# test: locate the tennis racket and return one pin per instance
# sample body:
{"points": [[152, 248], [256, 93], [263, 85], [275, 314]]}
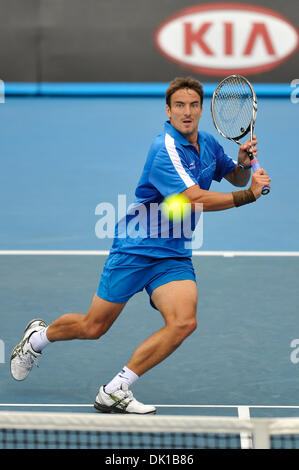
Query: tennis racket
{"points": [[234, 109]]}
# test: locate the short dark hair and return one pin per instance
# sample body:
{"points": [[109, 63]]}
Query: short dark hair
{"points": [[184, 82]]}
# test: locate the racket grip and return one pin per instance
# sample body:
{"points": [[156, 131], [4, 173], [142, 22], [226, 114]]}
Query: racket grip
{"points": [[256, 166]]}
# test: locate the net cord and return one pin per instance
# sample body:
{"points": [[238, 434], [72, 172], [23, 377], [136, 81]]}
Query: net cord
{"points": [[260, 428], [124, 423]]}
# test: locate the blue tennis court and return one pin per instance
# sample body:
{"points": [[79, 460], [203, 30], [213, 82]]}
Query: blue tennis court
{"points": [[60, 158]]}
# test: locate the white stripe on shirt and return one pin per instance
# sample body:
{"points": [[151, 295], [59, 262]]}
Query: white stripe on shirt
{"points": [[176, 161]]}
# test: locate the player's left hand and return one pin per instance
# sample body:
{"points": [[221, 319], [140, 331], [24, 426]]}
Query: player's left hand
{"points": [[248, 146]]}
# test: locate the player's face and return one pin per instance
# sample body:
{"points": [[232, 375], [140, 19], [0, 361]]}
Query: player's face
{"points": [[185, 111]]}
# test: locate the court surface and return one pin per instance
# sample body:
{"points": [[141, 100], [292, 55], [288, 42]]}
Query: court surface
{"points": [[60, 158]]}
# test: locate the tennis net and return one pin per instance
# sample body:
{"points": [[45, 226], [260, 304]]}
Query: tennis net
{"points": [[26, 430]]}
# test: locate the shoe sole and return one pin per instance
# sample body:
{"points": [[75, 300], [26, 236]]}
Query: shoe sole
{"points": [[26, 328], [113, 409]]}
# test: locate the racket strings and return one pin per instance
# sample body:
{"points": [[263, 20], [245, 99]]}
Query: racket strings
{"points": [[233, 106]]}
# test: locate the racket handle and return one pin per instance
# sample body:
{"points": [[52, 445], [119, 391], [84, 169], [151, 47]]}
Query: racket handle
{"points": [[256, 166]]}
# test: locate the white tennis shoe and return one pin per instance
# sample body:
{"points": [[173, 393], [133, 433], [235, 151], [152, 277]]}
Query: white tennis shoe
{"points": [[23, 357], [121, 401]]}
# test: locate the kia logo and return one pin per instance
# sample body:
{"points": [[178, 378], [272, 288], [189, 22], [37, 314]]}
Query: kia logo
{"points": [[221, 38]]}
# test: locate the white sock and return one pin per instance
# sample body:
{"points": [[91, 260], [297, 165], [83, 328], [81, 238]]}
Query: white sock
{"points": [[124, 376], [39, 340]]}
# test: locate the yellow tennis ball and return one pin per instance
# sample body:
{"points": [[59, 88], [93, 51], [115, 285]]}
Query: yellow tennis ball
{"points": [[176, 207]]}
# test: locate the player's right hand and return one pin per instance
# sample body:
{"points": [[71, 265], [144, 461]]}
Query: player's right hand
{"points": [[260, 179]]}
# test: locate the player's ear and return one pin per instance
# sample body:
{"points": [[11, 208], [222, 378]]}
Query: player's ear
{"points": [[168, 111]]}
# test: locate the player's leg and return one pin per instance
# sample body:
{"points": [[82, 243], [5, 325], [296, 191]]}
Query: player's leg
{"points": [[177, 302], [172, 288], [92, 325], [37, 335]]}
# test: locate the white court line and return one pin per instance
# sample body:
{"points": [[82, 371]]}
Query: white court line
{"points": [[54, 252], [43, 405], [226, 254], [231, 254], [46, 405]]}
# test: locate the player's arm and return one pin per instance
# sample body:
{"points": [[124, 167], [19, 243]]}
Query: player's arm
{"points": [[240, 176], [214, 201]]}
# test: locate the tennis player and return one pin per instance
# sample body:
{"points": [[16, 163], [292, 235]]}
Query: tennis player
{"points": [[180, 160]]}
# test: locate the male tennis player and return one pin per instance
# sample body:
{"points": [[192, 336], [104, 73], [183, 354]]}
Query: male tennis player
{"points": [[180, 160]]}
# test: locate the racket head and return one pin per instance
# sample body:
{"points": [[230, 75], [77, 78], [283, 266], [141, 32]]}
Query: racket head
{"points": [[234, 107]]}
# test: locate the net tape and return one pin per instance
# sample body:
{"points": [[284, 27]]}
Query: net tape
{"points": [[81, 430], [86, 431], [124, 423]]}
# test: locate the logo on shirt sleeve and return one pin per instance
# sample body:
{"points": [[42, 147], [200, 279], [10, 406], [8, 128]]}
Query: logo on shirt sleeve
{"points": [[191, 166]]}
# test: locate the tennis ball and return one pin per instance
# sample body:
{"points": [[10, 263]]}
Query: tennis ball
{"points": [[176, 207]]}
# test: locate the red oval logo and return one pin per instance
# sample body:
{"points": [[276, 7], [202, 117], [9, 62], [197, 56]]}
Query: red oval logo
{"points": [[220, 38]]}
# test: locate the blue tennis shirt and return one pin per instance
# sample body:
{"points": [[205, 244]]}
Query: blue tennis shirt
{"points": [[172, 166]]}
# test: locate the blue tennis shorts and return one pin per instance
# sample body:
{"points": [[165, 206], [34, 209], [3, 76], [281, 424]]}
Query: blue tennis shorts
{"points": [[126, 274]]}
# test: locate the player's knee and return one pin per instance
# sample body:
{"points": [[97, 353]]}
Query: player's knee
{"points": [[184, 328], [189, 326], [93, 331]]}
